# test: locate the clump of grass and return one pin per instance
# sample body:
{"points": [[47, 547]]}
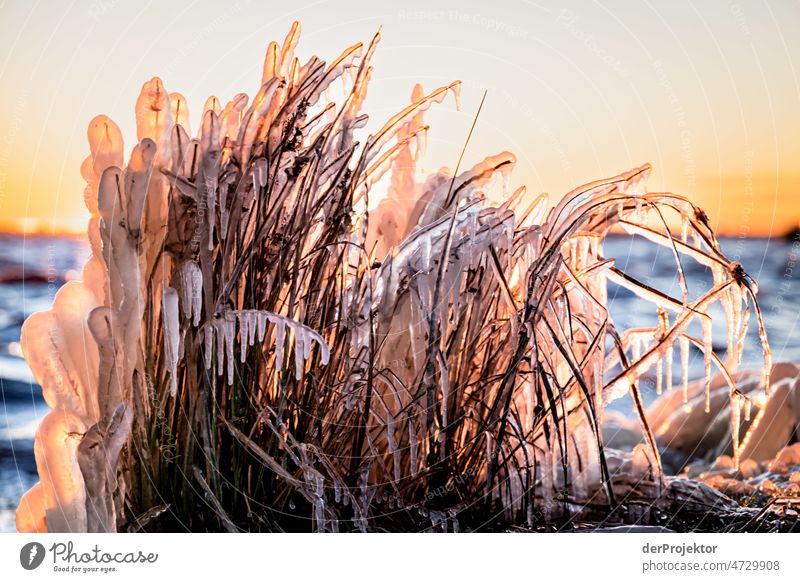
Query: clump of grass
{"points": [[283, 354]]}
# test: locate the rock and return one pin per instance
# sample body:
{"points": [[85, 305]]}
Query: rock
{"points": [[768, 487], [792, 489], [722, 462], [640, 461], [728, 485], [778, 466], [687, 429], [750, 468], [790, 455], [776, 421], [620, 432]]}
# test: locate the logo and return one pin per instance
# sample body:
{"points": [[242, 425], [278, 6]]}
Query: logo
{"points": [[31, 555]]}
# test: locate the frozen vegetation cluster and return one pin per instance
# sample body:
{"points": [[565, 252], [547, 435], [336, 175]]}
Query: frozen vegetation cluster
{"points": [[261, 342]]}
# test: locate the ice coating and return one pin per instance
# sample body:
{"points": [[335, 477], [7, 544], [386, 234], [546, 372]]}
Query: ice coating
{"points": [[61, 352], [30, 516], [250, 285], [179, 111], [55, 446], [251, 324], [154, 113]]}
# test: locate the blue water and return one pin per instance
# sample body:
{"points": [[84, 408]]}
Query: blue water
{"points": [[33, 268]]}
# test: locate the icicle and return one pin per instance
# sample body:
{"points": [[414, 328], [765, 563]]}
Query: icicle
{"points": [[191, 283], [669, 358], [219, 331], [307, 345], [319, 504], [708, 350], [208, 339], [229, 329], [300, 341], [765, 373], [727, 305], [684, 343], [659, 376], [262, 326], [661, 332], [244, 334], [280, 330], [456, 89], [736, 411], [637, 213], [172, 338], [251, 338]]}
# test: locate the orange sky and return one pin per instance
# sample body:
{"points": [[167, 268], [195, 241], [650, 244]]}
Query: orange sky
{"points": [[707, 92]]}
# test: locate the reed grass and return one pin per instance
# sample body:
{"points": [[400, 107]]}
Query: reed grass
{"points": [[310, 360]]}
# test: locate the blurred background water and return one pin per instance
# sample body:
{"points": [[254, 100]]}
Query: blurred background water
{"points": [[32, 268]]}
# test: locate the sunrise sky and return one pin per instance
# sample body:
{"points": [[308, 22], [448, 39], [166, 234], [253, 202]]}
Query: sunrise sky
{"points": [[708, 92]]}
